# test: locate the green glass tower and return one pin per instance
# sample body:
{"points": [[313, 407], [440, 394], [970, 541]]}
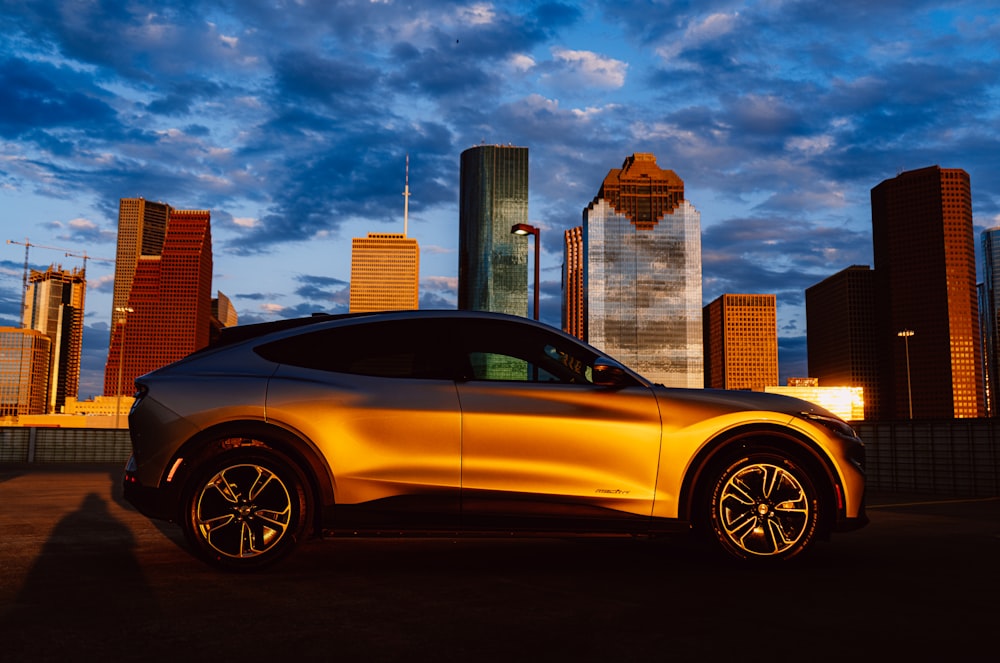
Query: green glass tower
{"points": [[492, 262]]}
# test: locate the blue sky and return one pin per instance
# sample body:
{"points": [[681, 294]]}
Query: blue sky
{"points": [[291, 121]]}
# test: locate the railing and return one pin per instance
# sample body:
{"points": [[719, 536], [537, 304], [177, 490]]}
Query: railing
{"points": [[959, 457], [63, 445], [955, 457]]}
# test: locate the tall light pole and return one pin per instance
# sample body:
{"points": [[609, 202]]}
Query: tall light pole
{"points": [[122, 320], [906, 334], [525, 229]]}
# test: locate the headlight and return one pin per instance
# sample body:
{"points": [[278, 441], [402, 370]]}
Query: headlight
{"points": [[835, 424]]}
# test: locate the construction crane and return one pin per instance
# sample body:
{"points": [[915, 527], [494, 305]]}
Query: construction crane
{"points": [[68, 252]]}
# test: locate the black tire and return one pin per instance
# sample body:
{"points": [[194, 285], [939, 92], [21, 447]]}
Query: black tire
{"points": [[764, 507], [245, 510]]}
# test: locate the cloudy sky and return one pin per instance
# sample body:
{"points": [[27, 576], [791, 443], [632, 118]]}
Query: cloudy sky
{"points": [[291, 121]]}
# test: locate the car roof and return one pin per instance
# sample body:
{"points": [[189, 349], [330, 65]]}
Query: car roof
{"points": [[240, 333]]}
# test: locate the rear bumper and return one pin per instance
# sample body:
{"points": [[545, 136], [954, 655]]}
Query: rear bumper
{"points": [[150, 501]]}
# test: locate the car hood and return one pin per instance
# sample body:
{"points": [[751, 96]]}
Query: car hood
{"points": [[721, 401]]}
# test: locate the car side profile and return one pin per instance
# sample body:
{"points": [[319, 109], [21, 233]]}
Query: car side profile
{"points": [[470, 422]]}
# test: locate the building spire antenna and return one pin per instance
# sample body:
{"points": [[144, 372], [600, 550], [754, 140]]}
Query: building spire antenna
{"points": [[406, 198]]}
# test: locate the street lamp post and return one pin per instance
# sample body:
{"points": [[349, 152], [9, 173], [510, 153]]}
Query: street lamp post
{"points": [[525, 229], [123, 312], [906, 334]]}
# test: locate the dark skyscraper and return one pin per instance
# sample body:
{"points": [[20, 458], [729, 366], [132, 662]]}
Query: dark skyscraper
{"points": [[168, 312], [492, 262], [926, 308], [840, 324]]}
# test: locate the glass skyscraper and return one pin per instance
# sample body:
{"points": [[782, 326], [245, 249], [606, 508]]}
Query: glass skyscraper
{"points": [[492, 262], [24, 371], [642, 280], [990, 314]]}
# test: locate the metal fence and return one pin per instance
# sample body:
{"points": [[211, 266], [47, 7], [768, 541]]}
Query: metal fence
{"points": [[63, 445], [955, 457], [959, 457]]}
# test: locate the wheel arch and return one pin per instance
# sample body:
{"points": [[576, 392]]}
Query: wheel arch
{"points": [[796, 446], [223, 437]]}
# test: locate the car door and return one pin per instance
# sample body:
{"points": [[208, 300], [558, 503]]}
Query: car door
{"points": [[542, 445], [378, 400]]}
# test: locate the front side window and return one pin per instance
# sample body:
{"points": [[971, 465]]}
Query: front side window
{"points": [[509, 351]]}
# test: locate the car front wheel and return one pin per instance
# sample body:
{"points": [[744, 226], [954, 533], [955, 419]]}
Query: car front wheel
{"points": [[763, 507], [246, 510]]}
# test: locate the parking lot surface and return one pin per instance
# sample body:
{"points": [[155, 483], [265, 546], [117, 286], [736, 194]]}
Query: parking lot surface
{"points": [[84, 576]]}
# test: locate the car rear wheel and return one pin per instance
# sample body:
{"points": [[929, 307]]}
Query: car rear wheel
{"points": [[763, 507], [246, 510]]}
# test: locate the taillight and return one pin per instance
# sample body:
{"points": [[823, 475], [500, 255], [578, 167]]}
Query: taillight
{"points": [[140, 392]]}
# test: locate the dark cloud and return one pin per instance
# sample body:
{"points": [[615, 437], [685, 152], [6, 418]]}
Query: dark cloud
{"points": [[338, 85], [776, 256], [442, 73], [180, 98], [38, 98]]}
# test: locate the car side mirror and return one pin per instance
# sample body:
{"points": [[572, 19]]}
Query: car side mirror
{"points": [[610, 374]]}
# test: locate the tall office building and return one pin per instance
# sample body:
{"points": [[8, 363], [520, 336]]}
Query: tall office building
{"points": [[989, 313], [168, 311], [642, 279], [573, 316], [224, 311], [840, 333], [223, 315], [385, 273], [927, 313], [493, 262], [741, 342], [24, 371], [54, 306], [142, 226]]}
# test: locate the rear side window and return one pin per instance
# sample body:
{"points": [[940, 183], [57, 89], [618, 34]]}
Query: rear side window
{"points": [[391, 349]]}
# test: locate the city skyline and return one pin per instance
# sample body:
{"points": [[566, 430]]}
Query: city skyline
{"points": [[779, 120]]}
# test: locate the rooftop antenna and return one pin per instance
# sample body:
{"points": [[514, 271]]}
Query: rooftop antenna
{"points": [[406, 197]]}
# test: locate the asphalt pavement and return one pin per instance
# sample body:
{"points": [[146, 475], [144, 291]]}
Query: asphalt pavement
{"points": [[83, 576]]}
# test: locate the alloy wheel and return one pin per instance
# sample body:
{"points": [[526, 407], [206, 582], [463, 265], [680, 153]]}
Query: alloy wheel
{"points": [[243, 511], [763, 509]]}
